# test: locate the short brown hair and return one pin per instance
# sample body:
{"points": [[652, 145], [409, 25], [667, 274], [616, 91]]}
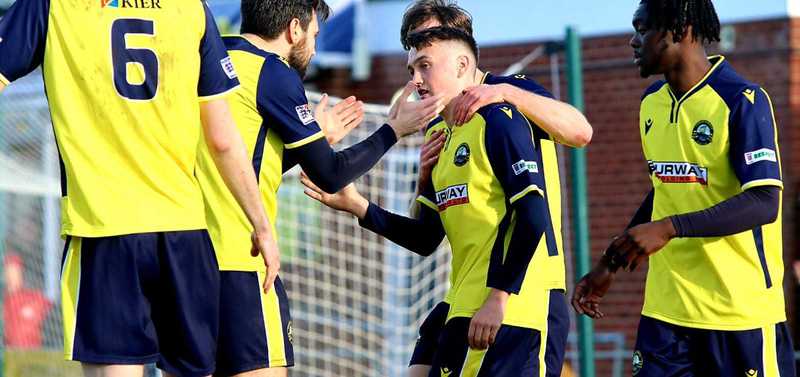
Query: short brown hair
{"points": [[424, 38], [447, 12], [269, 18]]}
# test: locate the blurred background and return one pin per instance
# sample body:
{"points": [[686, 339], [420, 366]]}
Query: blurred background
{"points": [[356, 299]]}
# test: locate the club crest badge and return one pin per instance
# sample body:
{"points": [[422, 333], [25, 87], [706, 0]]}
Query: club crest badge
{"points": [[637, 361], [462, 155], [703, 133]]}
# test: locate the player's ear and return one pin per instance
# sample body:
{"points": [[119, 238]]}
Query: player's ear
{"points": [[463, 65], [295, 31]]}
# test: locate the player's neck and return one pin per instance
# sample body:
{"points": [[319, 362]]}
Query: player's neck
{"points": [[448, 113], [691, 69], [275, 46], [479, 76]]}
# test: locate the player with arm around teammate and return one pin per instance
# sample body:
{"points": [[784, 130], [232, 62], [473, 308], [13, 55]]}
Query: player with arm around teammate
{"points": [[563, 123], [490, 190]]}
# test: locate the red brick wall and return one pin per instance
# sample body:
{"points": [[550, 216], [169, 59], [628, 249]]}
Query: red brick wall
{"points": [[764, 53]]}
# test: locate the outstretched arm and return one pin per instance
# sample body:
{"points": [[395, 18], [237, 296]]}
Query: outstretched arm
{"points": [[563, 122], [421, 236]]}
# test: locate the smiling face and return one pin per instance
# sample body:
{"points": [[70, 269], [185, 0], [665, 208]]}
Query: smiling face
{"points": [[654, 52], [440, 68]]}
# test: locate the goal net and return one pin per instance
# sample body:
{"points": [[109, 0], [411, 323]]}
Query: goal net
{"points": [[356, 299]]}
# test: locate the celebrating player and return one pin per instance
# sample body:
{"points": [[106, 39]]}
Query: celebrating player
{"points": [[139, 282], [487, 195], [562, 122], [273, 116], [711, 226]]}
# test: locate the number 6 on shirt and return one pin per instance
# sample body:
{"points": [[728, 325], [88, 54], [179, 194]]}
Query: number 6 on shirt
{"points": [[122, 56]]}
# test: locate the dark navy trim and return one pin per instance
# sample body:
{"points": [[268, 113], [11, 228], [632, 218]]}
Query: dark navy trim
{"points": [[66, 250], [672, 114], [286, 320], [759, 240], [549, 232], [258, 151], [654, 87], [716, 67], [498, 249]]}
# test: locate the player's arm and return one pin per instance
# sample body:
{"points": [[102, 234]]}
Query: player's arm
{"points": [[517, 166], [421, 236], [283, 99], [336, 122], [226, 146], [23, 31], [230, 156], [563, 122]]}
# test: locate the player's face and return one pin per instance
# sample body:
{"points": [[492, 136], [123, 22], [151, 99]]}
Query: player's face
{"points": [[302, 51], [652, 49], [435, 71]]}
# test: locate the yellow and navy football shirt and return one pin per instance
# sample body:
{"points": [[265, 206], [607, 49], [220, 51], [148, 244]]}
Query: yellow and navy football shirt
{"points": [[552, 270], [123, 79], [715, 141], [272, 113], [485, 166]]}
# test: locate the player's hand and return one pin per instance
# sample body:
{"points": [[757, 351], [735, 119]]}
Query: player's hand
{"points": [[348, 199], [264, 244], [486, 322], [590, 290], [337, 121], [405, 117], [641, 241], [428, 157], [473, 98]]}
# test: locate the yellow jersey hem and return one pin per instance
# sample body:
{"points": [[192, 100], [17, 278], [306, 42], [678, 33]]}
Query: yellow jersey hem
{"points": [[241, 267], [4, 80], [305, 141], [111, 232], [763, 182], [526, 191], [427, 203], [551, 285], [715, 325], [218, 95], [508, 322]]}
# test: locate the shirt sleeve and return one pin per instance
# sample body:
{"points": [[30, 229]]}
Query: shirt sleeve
{"points": [[754, 150], [427, 196], [23, 32], [282, 102], [512, 153], [522, 82], [529, 85], [217, 75], [421, 236]]}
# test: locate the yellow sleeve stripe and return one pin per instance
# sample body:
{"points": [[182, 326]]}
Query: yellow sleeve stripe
{"points": [[428, 203], [4, 80], [218, 95], [526, 191], [763, 182], [305, 141]]}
